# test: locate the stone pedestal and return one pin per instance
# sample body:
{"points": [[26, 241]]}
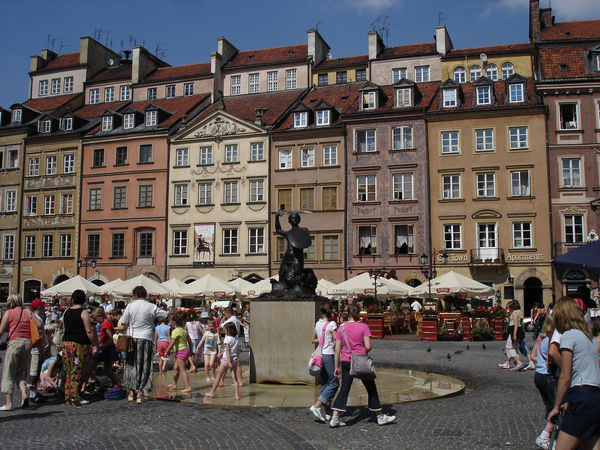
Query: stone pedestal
{"points": [[280, 341]]}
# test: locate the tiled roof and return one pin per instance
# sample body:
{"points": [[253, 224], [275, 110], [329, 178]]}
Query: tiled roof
{"points": [[276, 55], [61, 62], [172, 73], [585, 29], [49, 103], [490, 50], [404, 51], [565, 62], [113, 73], [343, 62], [94, 111]]}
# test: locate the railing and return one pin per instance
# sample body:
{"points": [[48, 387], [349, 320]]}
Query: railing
{"points": [[560, 248], [493, 256]]}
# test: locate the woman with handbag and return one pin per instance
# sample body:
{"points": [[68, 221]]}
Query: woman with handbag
{"points": [[16, 321], [351, 341]]}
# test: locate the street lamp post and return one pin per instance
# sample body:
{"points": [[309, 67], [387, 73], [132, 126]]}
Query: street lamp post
{"points": [[375, 273], [431, 272], [84, 263]]}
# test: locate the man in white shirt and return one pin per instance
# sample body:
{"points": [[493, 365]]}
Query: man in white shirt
{"points": [[229, 316], [416, 306]]}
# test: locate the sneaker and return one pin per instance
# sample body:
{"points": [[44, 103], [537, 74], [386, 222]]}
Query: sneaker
{"points": [[317, 413], [327, 417], [336, 423], [504, 365], [543, 442], [383, 419], [531, 366], [522, 367], [83, 402]]}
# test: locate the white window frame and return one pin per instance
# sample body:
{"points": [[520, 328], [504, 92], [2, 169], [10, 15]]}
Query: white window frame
{"points": [[517, 188], [180, 242], [516, 93], [402, 186], [290, 78], [522, 234], [231, 192], [450, 142], [66, 204], [256, 241], [474, 73], [66, 123], [452, 231], [68, 84], [206, 156], [484, 95], [65, 245], [43, 88], [257, 191], [402, 138], [307, 157], [16, 115], [182, 157], [51, 165], [421, 74], [8, 247], [55, 86], [372, 238], [107, 123], [95, 202], [574, 221], [572, 125], [10, 200], [451, 189], [257, 151], [486, 185], [460, 75], [29, 246], [300, 119], [484, 140], [109, 94], [403, 97], [151, 93], [94, 96], [398, 73], [230, 241], [232, 153], [12, 161], [491, 71], [366, 188], [235, 85], [285, 159], [571, 173], [44, 126], [188, 89], [170, 91], [47, 246], [33, 167], [49, 205], [181, 194], [370, 140], [330, 155], [518, 137], [449, 98], [507, 70], [323, 117], [151, 118], [369, 100], [125, 93], [272, 78], [205, 194], [31, 205], [253, 83], [128, 121]]}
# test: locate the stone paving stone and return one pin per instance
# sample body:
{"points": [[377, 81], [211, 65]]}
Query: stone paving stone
{"points": [[499, 407]]}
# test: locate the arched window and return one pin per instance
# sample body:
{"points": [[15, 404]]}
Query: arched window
{"points": [[460, 76], [491, 71], [474, 73], [507, 70]]}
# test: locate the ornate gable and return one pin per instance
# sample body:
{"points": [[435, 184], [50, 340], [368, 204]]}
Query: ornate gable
{"points": [[218, 126]]}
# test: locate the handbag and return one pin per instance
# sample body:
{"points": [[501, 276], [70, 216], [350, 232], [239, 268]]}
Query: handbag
{"points": [[125, 343], [316, 360], [361, 366], [57, 338], [4, 344], [34, 333]]}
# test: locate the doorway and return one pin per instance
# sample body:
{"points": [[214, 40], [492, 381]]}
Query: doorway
{"points": [[532, 294], [31, 290]]}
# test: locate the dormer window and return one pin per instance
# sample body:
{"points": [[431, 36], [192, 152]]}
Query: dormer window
{"points": [[369, 100], [16, 115], [323, 117], [128, 121], [598, 62], [300, 119], [403, 97], [515, 93], [484, 95], [460, 75], [151, 118], [449, 98], [44, 126], [66, 123], [107, 123]]}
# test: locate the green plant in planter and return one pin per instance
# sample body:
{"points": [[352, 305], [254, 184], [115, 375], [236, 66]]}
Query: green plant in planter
{"points": [[482, 334], [429, 313], [443, 333]]}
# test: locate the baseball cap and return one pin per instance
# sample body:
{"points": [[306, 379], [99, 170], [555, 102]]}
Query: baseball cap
{"points": [[204, 315], [38, 302]]}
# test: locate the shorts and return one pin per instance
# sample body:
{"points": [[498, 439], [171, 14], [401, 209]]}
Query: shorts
{"points": [[182, 354], [194, 344], [225, 363], [582, 419], [510, 349], [162, 346], [107, 355]]}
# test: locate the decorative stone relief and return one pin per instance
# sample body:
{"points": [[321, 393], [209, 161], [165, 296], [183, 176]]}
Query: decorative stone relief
{"points": [[218, 128]]}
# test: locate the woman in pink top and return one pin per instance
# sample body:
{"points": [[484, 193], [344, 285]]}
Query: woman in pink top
{"points": [[359, 338]]}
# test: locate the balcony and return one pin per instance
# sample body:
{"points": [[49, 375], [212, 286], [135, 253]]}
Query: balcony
{"points": [[561, 248], [489, 256]]}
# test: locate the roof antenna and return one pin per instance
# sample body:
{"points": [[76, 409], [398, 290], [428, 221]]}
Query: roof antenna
{"points": [[440, 17], [317, 25]]}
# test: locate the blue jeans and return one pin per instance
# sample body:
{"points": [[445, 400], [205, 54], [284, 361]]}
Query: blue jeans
{"points": [[329, 383]]}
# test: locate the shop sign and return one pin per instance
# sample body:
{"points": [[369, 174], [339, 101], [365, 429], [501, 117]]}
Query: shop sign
{"points": [[575, 275], [525, 257]]}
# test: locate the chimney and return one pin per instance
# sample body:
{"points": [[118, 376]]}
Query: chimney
{"points": [[535, 24], [48, 55], [376, 45], [547, 18], [443, 43], [317, 47], [225, 49]]}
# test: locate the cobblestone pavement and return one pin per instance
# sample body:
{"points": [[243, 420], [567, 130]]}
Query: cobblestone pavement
{"points": [[500, 409]]}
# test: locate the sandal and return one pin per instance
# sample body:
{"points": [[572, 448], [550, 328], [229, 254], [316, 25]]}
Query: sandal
{"points": [[4, 408], [130, 398]]}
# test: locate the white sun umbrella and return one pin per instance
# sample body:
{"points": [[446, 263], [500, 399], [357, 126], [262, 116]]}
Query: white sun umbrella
{"points": [[207, 286], [108, 287], [173, 285], [323, 286], [153, 288], [452, 283], [67, 287], [407, 290], [364, 284], [262, 287], [239, 284]]}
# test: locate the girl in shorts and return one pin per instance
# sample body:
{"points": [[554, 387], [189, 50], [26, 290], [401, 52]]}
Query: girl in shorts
{"points": [[210, 341], [107, 351], [229, 358], [180, 343], [162, 336]]}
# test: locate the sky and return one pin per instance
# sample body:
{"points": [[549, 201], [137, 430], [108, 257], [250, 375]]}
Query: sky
{"points": [[186, 31]]}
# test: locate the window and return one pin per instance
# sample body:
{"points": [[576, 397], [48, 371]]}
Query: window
{"points": [[451, 187], [231, 153], [257, 152], [366, 189], [151, 93], [107, 123], [49, 205], [95, 199], [323, 79], [330, 198], [403, 97], [188, 89], [94, 96], [568, 116], [65, 245], [571, 172], [421, 74], [307, 157], [230, 193], [181, 195], [573, 229], [43, 90], [519, 183], [484, 140], [484, 95], [403, 186], [10, 200], [16, 115], [230, 241], [284, 197], [44, 126], [236, 85], [450, 142], [452, 236], [486, 185], [253, 83], [47, 246], [341, 77], [271, 81], [93, 245], [118, 245], [449, 98], [491, 71], [8, 248], [331, 249], [402, 138], [256, 240], [307, 199], [300, 119], [206, 156], [309, 253], [51, 165], [474, 73], [367, 240], [323, 117], [180, 239], [33, 167], [109, 94], [365, 141], [404, 239], [129, 121], [290, 79], [257, 190], [369, 100], [522, 235], [518, 137], [330, 155], [29, 246], [13, 159], [182, 157], [205, 194], [460, 74], [66, 203], [120, 197], [121, 156], [515, 93], [98, 159], [55, 86], [66, 123], [170, 91], [145, 249], [151, 118], [507, 70], [125, 93], [145, 196], [361, 74], [145, 154], [398, 74], [31, 205], [68, 84], [285, 158]]}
